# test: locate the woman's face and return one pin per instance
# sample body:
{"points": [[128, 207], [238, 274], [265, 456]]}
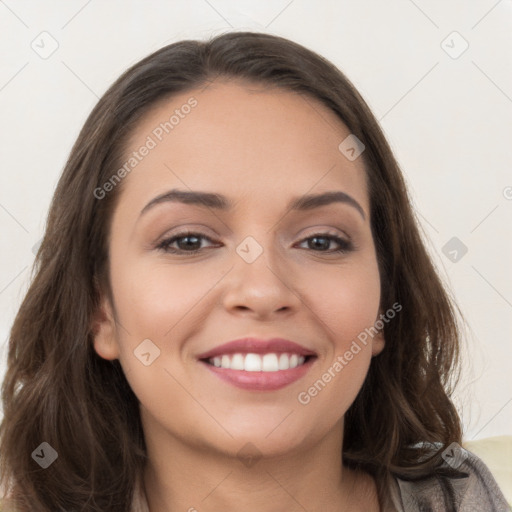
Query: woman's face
{"points": [[263, 270]]}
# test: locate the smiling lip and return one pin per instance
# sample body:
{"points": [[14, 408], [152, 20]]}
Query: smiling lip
{"points": [[259, 380]]}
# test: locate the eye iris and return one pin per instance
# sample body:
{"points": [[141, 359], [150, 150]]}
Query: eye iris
{"points": [[191, 245], [325, 245]]}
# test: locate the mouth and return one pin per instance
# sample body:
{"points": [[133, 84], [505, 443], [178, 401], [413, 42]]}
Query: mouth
{"points": [[259, 365], [259, 371]]}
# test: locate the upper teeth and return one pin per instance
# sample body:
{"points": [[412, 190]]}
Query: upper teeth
{"points": [[257, 363]]}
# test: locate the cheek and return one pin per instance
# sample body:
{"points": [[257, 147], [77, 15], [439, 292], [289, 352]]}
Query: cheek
{"points": [[166, 304], [160, 303], [346, 298], [154, 298]]}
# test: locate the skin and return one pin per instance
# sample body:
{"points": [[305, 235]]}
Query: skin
{"points": [[260, 147]]}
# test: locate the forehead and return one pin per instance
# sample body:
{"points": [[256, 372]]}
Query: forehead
{"points": [[243, 140]]}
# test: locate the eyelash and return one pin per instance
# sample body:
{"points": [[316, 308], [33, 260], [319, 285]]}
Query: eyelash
{"points": [[345, 245]]}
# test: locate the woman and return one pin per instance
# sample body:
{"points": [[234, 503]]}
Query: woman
{"points": [[232, 306]]}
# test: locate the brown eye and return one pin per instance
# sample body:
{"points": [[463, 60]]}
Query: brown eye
{"points": [[190, 242], [187, 242], [323, 240]]}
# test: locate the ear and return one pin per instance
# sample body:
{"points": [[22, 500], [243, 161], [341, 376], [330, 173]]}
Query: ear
{"points": [[378, 341], [104, 332]]}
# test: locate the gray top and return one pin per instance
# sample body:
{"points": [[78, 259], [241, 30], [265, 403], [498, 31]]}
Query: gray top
{"points": [[475, 490]]}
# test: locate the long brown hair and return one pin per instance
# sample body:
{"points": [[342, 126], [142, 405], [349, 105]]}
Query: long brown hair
{"points": [[57, 390]]}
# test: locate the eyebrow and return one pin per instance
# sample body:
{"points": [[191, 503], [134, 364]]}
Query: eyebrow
{"points": [[220, 202]]}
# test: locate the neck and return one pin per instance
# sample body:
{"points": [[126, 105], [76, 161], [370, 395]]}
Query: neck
{"points": [[181, 477]]}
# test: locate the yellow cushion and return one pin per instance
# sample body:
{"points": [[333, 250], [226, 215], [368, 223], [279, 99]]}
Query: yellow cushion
{"points": [[496, 453]]}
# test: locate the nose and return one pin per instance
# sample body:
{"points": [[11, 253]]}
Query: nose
{"points": [[261, 287]]}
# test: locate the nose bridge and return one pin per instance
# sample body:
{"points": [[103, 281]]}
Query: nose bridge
{"points": [[260, 242], [259, 257], [259, 280]]}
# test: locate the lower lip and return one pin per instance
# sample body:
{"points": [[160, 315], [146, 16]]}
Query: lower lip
{"points": [[261, 381]]}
